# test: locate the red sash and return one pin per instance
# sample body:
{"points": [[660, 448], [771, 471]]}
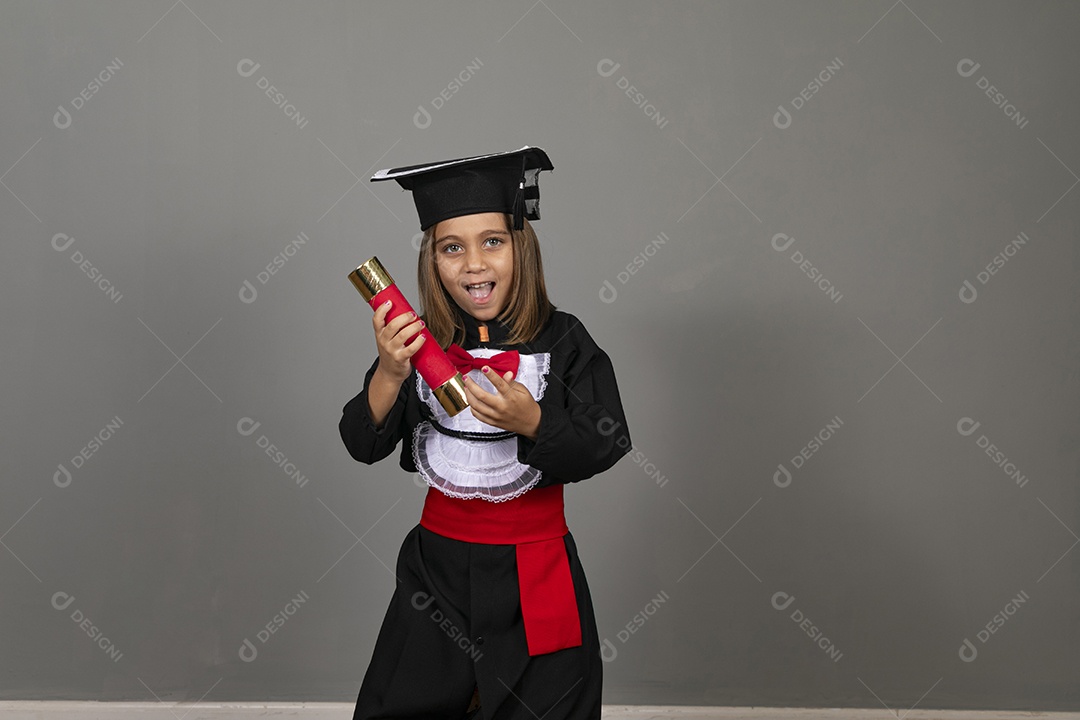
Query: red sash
{"points": [[535, 524]]}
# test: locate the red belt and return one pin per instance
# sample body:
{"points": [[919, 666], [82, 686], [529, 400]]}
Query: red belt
{"points": [[535, 524]]}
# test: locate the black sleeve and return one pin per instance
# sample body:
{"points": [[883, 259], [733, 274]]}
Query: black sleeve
{"points": [[365, 442], [582, 426]]}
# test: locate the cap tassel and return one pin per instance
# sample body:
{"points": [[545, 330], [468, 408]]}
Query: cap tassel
{"points": [[519, 208], [519, 200]]}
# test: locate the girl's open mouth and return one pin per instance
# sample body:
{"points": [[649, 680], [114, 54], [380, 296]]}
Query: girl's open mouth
{"points": [[480, 292]]}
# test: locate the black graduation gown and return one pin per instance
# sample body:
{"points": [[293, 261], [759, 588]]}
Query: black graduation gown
{"points": [[454, 622]]}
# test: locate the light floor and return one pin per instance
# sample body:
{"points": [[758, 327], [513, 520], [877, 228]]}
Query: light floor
{"points": [[66, 710]]}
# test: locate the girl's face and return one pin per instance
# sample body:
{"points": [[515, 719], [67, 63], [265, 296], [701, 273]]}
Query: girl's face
{"points": [[475, 259]]}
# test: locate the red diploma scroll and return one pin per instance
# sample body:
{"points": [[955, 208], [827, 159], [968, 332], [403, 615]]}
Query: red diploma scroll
{"points": [[448, 386]]}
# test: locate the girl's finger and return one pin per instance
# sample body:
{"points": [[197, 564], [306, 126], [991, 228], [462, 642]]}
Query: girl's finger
{"points": [[497, 380], [380, 315]]}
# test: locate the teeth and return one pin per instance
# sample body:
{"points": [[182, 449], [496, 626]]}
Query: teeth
{"points": [[480, 290]]}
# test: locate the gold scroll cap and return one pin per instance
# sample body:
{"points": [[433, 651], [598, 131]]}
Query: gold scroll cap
{"points": [[451, 395], [371, 278]]}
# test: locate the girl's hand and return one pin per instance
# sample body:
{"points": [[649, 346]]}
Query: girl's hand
{"points": [[513, 408], [394, 354]]}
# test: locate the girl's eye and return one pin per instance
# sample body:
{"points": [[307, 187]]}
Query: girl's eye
{"points": [[454, 247]]}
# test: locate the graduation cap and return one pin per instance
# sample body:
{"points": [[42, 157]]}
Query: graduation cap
{"points": [[499, 182]]}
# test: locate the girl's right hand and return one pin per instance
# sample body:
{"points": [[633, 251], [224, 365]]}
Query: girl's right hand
{"points": [[394, 354]]}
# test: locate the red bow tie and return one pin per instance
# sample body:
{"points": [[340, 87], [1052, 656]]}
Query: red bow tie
{"points": [[500, 363]]}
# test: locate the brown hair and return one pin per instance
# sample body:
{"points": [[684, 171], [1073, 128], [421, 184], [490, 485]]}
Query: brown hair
{"points": [[527, 309]]}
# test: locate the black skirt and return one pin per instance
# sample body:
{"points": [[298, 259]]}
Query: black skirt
{"points": [[454, 625]]}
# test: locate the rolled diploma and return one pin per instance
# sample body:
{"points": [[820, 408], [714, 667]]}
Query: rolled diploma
{"points": [[447, 384]]}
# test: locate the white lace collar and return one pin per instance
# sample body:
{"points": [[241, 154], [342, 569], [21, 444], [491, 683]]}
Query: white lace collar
{"points": [[486, 469]]}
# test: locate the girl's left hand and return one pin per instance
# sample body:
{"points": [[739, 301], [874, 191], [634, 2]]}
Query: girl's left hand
{"points": [[513, 408]]}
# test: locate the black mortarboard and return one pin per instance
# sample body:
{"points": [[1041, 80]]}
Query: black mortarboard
{"points": [[500, 182]]}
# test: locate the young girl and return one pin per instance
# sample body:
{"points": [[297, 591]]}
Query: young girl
{"points": [[491, 615]]}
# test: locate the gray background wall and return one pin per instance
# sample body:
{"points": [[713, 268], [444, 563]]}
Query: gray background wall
{"points": [[898, 180]]}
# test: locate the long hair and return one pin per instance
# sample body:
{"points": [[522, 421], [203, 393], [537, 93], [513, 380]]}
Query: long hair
{"points": [[527, 308]]}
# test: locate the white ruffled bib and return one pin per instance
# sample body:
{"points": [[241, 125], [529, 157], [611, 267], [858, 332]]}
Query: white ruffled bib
{"points": [[486, 469]]}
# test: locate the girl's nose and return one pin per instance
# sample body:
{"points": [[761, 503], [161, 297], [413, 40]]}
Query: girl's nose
{"points": [[474, 257]]}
